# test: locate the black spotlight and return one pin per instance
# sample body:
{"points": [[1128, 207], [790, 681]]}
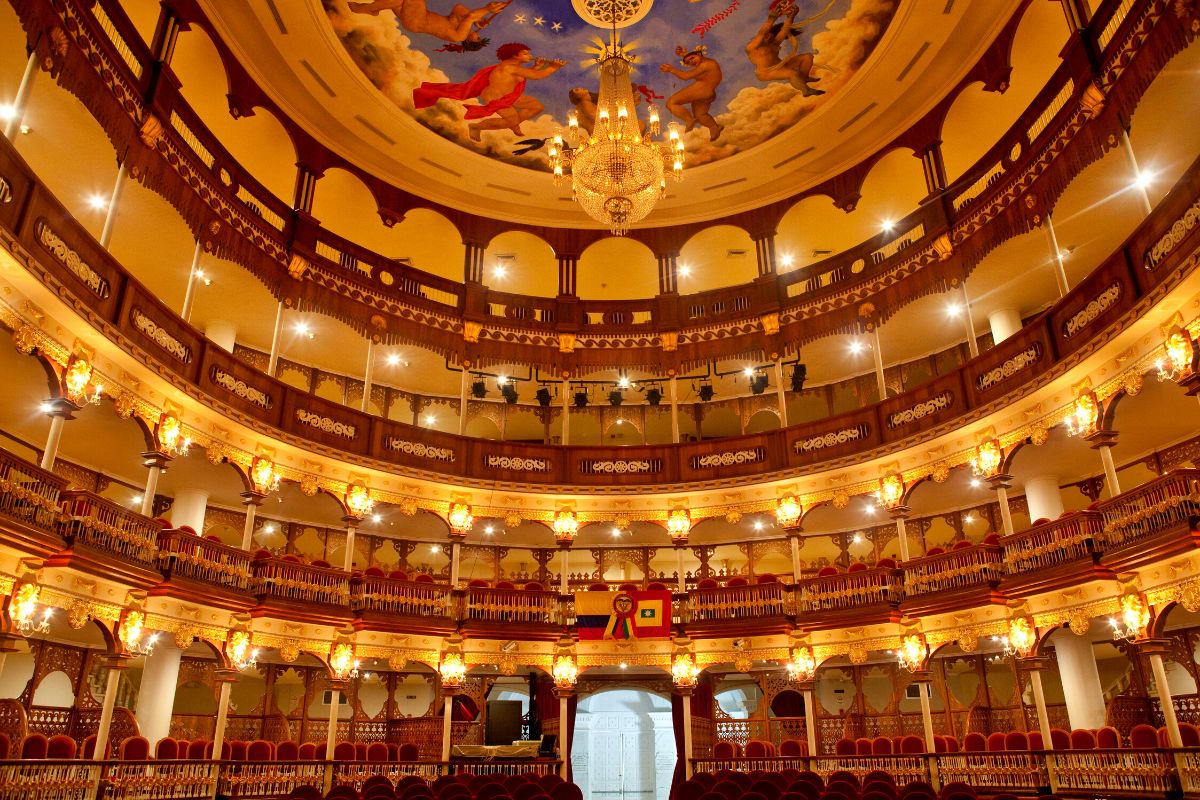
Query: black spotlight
{"points": [[509, 391], [479, 389], [543, 397], [654, 396], [615, 397], [581, 399], [758, 384], [799, 375], [707, 392]]}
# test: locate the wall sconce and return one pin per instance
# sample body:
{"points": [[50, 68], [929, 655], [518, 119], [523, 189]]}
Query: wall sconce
{"points": [[803, 665], [358, 500], [566, 525], [132, 633], [679, 525], [169, 435], [1020, 640], [1131, 624], [342, 661], [1180, 358], [239, 651], [891, 491], [684, 671], [460, 519], [24, 608], [912, 652], [453, 670], [565, 672], [263, 475], [1085, 414], [76, 379], [788, 511], [987, 459]]}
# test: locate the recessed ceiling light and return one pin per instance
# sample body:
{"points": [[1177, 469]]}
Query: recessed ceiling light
{"points": [[8, 111], [954, 309], [856, 346], [489, 529], [499, 271], [376, 518], [623, 382], [786, 260], [97, 201], [1144, 179], [393, 360], [430, 419], [758, 526], [684, 270], [887, 225]]}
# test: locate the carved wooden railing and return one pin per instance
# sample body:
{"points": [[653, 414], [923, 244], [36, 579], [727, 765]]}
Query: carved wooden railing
{"points": [[1071, 537], [851, 590], [406, 598], [28, 493], [291, 580], [1012, 772], [1159, 505], [1125, 770], [184, 554], [736, 602], [104, 525], [904, 768], [513, 605], [61, 780], [962, 568], [177, 780]]}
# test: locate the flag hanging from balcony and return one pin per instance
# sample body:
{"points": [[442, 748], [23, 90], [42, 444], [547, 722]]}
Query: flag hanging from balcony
{"points": [[623, 615]]}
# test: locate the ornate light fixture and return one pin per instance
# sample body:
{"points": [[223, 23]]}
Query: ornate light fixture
{"points": [[788, 511], [453, 670], [566, 525], [358, 500], [679, 525], [565, 672], [803, 665], [1085, 413], [132, 633], [239, 651], [1021, 639], [987, 459], [460, 519], [618, 172], [1131, 624], [170, 436], [890, 493], [23, 610], [342, 661], [1180, 355], [684, 671], [263, 475], [912, 652], [77, 378]]}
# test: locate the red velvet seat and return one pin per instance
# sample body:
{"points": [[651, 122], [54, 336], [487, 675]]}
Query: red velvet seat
{"points": [[756, 749], [951, 744], [566, 791], [320, 562], [962, 545], [33, 746], [995, 742], [934, 551], [393, 752], [939, 744], [89, 747], [360, 751], [398, 575], [373, 572], [1060, 739], [377, 751], [287, 751], [862, 746], [1108, 738], [766, 579], [725, 749], [790, 748], [974, 742], [237, 751], [600, 587], [307, 752], [886, 563], [1035, 741], [992, 539], [911, 745], [421, 577], [857, 566], [260, 750], [534, 586], [5, 747], [408, 752], [61, 746], [628, 587], [1041, 521], [135, 748], [1190, 734], [828, 571], [343, 751], [1083, 739], [881, 746], [737, 580], [1143, 736], [1016, 741], [167, 749], [844, 747], [505, 585], [657, 586]]}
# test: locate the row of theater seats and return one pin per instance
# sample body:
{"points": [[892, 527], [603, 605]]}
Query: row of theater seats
{"points": [[59, 747], [756, 748], [138, 749], [462, 786], [794, 784], [1107, 738]]}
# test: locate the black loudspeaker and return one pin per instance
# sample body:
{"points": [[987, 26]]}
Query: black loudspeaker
{"points": [[503, 721]]}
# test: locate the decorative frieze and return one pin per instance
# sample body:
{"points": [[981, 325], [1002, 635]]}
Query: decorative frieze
{"points": [[831, 439], [56, 247], [921, 410], [1002, 372], [240, 388], [648, 466], [326, 424], [1171, 239], [518, 463], [160, 336], [1086, 315], [729, 458], [419, 449]]}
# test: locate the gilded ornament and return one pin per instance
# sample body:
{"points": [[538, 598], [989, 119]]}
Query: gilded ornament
{"points": [[968, 641], [25, 339], [1133, 382], [1039, 435], [298, 266], [841, 499], [733, 517], [1189, 596], [289, 650], [125, 404], [512, 520], [408, 507], [858, 654], [78, 614], [941, 473], [184, 636], [308, 485], [398, 660], [1079, 620]]}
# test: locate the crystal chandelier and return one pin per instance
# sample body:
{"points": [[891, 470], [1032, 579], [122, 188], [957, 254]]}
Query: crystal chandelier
{"points": [[618, 172]]}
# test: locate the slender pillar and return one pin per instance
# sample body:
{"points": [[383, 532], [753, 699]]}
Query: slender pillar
{"points": [[878, 352], [225, 678], [251, 500], [114, 202], [680, 574], [1104, 441], [1034, 666], [564, 702], [336, 687], [1154, 648], [189, 508], [156, 696], [783, 415], [925, 681], [221, 333], [563, 584], [13, 126], [1004, 322], [462, 403], [674, 411], [566, 425], [900, 514], [1082, 690], [351, 529], [794, 541], [687, 732], [1139, 186], [455, 561], [189, 294], [1044, 500], [969, 321], [810, 717], [1001, 483], [116, 665], [447, 726], [1056, 258], [276, 335], [156, 465], [59, 410], [367, 374]]}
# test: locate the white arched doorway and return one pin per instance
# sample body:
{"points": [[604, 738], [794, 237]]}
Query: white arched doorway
{"points": [[624, 745]]}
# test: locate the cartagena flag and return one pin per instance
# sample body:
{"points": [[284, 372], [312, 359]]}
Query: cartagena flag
{"points": [[623, 615]]}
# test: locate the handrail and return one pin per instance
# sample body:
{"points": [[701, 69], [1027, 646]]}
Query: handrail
{"points": [[736, 602], [1068, 538], [1152, 507], [512, 605], [101, 523], [851, 589], [294, 580], [186, 554], [395, 596], [954, 569], [28, 493]]}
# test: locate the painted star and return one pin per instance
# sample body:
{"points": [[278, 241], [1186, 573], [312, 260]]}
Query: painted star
{"points": [[539, 21], [556, 27], [519, 19]]}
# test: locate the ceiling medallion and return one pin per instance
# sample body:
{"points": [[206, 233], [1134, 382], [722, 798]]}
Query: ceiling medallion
{"points": [[604, 13]]}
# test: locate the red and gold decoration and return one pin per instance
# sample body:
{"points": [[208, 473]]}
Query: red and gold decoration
{"points": [[25, 611], [460, 519], [912, 652], [132, 633], [170, 437], [77, 380], [264, 477], [1180, 355], [1084, 415], [988, 459], [685, 671], [890, 493], [802, 666], [788, 511], [566, 525], [358, 500], [679, 525], [1132, 622]]}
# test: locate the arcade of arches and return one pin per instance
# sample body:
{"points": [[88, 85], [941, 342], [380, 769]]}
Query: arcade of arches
{"points": [[326, 427]]}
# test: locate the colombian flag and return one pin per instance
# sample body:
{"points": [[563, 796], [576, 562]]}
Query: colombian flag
{"points": [[623, 615]]}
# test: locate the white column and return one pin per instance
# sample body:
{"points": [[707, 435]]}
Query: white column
{"points": [[276, 335], [1138, 185], [348, 556], [106, 710], [447, 727], [1056, 258], [221, 333], [462, 404], [674, 412], [1039, 702], [13, 126], [367, 374], [455, 563], [156, 465], [566, 422], [681, 575], [1164, 699], [563, 585], [902, 537], [156, 696], [565, 741], [189, 508], [969, 321], [795, 544], [877, 349], [783, 418], [1044, 500], [335, 694], [57, 421], [222, 717], [1004, 322], [1082, 690], [927, 714], [687, 736], [810, 720], [189, 294], [114, 202], [251, 500], [1005, 512], [1110, 471]]}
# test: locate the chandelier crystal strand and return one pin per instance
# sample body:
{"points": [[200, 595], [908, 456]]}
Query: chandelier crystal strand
{"points": [[618, 172]]}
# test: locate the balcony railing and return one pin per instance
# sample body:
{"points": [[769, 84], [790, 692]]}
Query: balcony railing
{"points": [[1069, 538], [961, 568], [846, 590], [513, 605], [29, 494], [736, 602], [106, 526], [406, 598], [190, 556], [292, 580], [1162, 504]]}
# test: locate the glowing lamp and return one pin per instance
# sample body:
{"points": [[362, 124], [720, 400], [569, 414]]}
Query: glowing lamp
{"points": [[358, 500], [566, 525], [169, 434], [891, 491], [241, 654], [1131, 624], [460, 519], [453, 670], [912, 652], [342, 661], [1179, 359], [263, 475], [679, 525], [987, 459], [788, 511], [684, 671], [1021, 638], [132, 633], [565, 672], [802, 666], [1085, 413], [23, 610], [77, 378]]}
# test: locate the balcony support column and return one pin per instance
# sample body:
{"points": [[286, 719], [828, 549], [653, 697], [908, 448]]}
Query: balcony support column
{"points": [[116, 665], [685, 697], [251, 500], [680, 574], [934, 167], [447, 725], [462, 402], [674, 411], [969, 321], [156, 464], [336, 687], [810, 717], [1138, 184], [1044, 500], [1104, 441], [366, 398], [764, 254], [276, 335], [564, 574], [351, 529], [782, 395], [189, 509], [1001, 483], [877, 351], [1154, 650], [455, 560], [1004, 322], [564, 741], [794, 542], [1082, 690], [156, 696], [225, 678], [59, 410], [925, 682], [114, 203], [13, 126], [189, 294], [1034, 666], [566, 411], [1056, 258], [900, 514], [221, 333]]}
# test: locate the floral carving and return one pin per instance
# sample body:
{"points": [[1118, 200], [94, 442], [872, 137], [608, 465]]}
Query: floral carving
{"points": [[518, 463], [728, 458], [921, 410], [1171, 239], [56, 247], [622, 466], [1084, 317], [159, 336], [832, 439], [1022, 360], [241, 388], [419, 449], [326, 424]]}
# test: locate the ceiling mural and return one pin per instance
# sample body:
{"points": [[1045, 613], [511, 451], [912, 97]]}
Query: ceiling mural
{"points": [[501, 78]]}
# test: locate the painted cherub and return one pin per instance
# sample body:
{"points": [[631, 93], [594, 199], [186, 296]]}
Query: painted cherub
{"points": [[705, 75], [461, 26], [763, 50]]}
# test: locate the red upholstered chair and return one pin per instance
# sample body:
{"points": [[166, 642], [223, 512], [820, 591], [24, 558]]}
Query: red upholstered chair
{"points": [[737, 580], [320, 562], [844, 747], [725, 749], [225, 750], [33, 746], [534, 586], [1083, 739], [505, 585], [408, 752], [61, 746], [767, 578], [1041, 521], [881, 746], [962, 545], [1060, 739], [951, 744], [343, 751], [1190, 734], [1035, 741], [1016, 741], [974, 742], [360, 751], [237, 751], [939, 744], [89, 748], [603, 587], [756, 749], [373, 572], [421, 577], [992, 539], [1143, 736], [857, 566], [862, 746], [377, 751], [393, 752], [1163, 739], [657, 586], [896, 742], [187, 529], [135, 748], [566, 791], [307, 752], [260, 750], [790, 748], [828, 571], [1108, 738], [886, 563], [628, 587], [995, 742], [5, 747], [287, 751], [550, 780], [398, 575], [911, 745], [167, 749], [934, 551]]}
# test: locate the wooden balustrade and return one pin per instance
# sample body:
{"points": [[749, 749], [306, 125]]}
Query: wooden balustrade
{"points": [[187, 555], [905, 768], [513, 605], [735, 602], [1159, 505], [168, 780], [93, 521], [1104, 771], [252, 780], [1001, 771], [28, 493], [292, 580], [955, 569], [851, 590], [406, 598], [53, 780], [1069, 538]]}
